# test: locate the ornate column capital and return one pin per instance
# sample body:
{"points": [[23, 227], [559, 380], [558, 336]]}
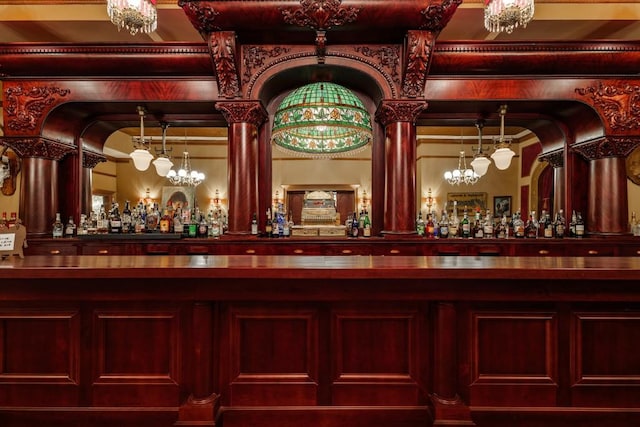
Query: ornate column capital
{"points": [[390, 111], [554, 158], [607, 146], [91, 159], [242, 112], [43, 148]]}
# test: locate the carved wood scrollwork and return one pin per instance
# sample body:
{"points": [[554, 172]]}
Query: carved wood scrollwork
{"points": [[437, 16], [242, 112], [618, 104], [25, 108], [554, 158], [388, 57], [38, 147], [418, 59], [223, 52], [90, 159], [608, 146], [202, 17], [255, 57], [391, 111]]}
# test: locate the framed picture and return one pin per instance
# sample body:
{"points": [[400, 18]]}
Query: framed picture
{"points": [[178, 197], [501, 206], [471, 201]]}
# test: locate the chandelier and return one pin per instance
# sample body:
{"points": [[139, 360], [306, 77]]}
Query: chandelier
{"points": [[480, 163], [134, 15], [506, 15], [463, 174], [140, 155], [321, 120], [185, 176], [503, 154]]}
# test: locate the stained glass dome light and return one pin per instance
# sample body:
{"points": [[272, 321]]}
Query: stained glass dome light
{"points": [[321, 120]]}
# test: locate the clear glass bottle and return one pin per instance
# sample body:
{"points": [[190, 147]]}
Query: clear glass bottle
{"points": [[354, 226], [268, 224], [488, 225], [254, 224], [444, 224], [58, 227], [454, 223], [126, 217], [478, 229], [465, 225], [70, 228], [518, 226], [560, 224], [367, 225], [572, 224], [580, 227], [633, 224], [420, 225], [429, 226]]}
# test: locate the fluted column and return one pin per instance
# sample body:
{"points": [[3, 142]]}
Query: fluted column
{"points": [[243, 119], [398, 119], [607, 211], [556, 161]]}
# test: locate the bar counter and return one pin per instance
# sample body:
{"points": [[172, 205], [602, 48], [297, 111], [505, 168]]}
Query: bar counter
{"points": [[278, 340]]}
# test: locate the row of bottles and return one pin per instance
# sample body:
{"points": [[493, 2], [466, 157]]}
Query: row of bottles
{"points": [[487, 227], [634, 225], [277, 223], [8, 222], [144, 219], [359, 224]]}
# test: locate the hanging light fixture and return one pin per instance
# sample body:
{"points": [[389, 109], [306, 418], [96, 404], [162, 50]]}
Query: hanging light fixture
{"points": [[185, 176], [506, 15], [321, 120], [163, 163], [461, 175], [480, 162], [141, 156], [134, 15], [503, 154]]}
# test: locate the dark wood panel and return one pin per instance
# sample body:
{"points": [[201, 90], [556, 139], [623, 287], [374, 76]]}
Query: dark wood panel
{"points": [[39, 357], [514, 358]]}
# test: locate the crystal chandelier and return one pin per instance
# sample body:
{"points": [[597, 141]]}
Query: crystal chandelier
{"points": [[506, 15], [134, 15], [185, 176], [463, 174]]}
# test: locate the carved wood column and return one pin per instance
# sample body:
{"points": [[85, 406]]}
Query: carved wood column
{"points": [[244, 119], [89, 161], [398, 118], [607, 199], [556, 161]]}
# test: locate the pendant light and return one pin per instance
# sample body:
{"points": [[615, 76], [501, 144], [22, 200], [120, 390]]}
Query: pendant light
{"points": [[503, 154], [140, 155], [162, 163], [480, 163]]}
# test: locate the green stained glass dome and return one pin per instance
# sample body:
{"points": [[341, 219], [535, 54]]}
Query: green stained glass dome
{"points": [[321, 120]]}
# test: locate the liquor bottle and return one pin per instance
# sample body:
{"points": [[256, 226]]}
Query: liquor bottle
{"points": [[153, 219], [477, 228], [192, 230], [126, 217], [280, 220], [361, 223], [275, 232], [420, 225], [102, 222], [83, 228], [572, 224], [285, 227], [254, 224], [115, 221], [465, 225], [203, 227], [531, 227], [268, 224], [635, 230], [488, 225], [502, 228], [559, 224], [178, 227], [70, 228], [444, 224], [454, 224], [579, 225], [58, 227], [518, 226], [216, 227], [542, 223], [354, 226], [165, 222], [430, 226], [291, 224], [436, 225], [367, 225], [4, 223]]}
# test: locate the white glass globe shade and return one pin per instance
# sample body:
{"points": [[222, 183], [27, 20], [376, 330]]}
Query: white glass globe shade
{"points": [[448, 175], [182, 173], [141, 159], [456, 173], [502, 157], [480, 165], [171, 174], [163, 165]]}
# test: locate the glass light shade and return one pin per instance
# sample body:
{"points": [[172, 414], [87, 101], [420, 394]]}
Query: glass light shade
{"points": [[182, 173], [141, 159], [321, 120], [163, 165], [448, 175], [480, 165], [502, 157]]}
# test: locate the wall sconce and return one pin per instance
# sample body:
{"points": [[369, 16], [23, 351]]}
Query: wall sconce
{"points": [[365, 200], [430, 201], [276, 199]]}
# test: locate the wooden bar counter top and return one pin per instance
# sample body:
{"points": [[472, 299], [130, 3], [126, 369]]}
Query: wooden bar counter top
{"points": [[289, 340]]}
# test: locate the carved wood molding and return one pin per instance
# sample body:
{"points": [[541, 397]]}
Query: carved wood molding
{"points": [[392, 111], [618, 104], [90, 159], [242, 112], [417, 61], [26, 107], [201, 15], [256, 57], [319, 15], [437, 16], [554, 158], [43, 148], [607, 146], [386, 57], [223, 53]]}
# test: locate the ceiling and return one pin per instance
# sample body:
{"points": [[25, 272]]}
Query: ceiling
{"points": [[63, 21]]}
